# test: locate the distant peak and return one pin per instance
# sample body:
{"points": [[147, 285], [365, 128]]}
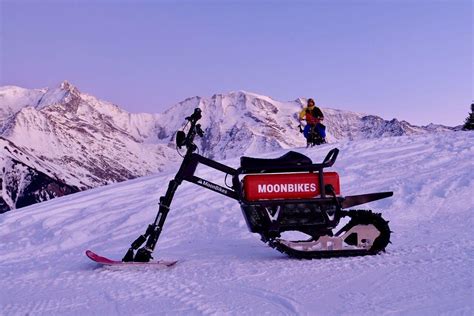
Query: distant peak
{"points": [[63, 93], [67, 86], [249, 93]]}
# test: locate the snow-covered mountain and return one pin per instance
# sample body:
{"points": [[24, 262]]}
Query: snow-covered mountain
{"points": [[248, 123], [21, 184], [76, 140], [223, 269]]}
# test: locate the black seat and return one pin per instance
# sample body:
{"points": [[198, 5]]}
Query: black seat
{"points": [[291, 158]]}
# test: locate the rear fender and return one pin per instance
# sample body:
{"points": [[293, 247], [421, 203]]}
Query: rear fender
{"points": [[353, 200]]}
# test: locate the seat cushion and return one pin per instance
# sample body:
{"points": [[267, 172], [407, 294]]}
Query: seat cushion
{"points": [[291, 158]]}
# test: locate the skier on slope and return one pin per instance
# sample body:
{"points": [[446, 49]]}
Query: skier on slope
{"points": [[314, 131]]}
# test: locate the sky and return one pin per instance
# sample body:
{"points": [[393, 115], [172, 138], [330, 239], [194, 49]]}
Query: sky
{"points": [[410, 60]]}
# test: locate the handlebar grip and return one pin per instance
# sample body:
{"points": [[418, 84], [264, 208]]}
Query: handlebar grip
{"points": [[199, 130]]}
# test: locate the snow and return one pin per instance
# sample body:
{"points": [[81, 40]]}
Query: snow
{"points": [[17, 97], [224, 269], [13, 99]]}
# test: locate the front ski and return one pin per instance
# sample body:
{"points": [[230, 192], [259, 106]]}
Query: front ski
{"points": [[109, 262]]}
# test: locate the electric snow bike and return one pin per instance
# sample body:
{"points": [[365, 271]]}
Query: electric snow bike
{"points": [[279, 196]]}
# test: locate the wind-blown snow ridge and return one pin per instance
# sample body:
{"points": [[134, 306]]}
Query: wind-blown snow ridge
{"points": [[224, 269]]}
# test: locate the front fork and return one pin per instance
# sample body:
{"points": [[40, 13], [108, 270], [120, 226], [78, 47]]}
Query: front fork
{"points": [[154, 230], [186, 172]]}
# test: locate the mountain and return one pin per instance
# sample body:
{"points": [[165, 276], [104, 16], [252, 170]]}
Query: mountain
{"points": [[25, 179], [248, 123], [75, 139], [78, 142], [223, 269]]}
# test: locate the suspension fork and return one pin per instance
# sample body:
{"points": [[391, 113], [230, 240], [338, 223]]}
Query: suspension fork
{"points": [[186, 172], [153, 230]]}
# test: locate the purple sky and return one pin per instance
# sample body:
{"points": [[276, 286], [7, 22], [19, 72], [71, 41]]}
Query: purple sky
{"points": [[406, 59]]}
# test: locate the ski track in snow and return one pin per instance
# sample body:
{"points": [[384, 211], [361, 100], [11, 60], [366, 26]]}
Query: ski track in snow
{"points": [[224, 269]]}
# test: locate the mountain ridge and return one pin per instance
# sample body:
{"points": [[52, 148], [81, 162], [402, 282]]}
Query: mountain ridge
{"points": [[84, 142]]}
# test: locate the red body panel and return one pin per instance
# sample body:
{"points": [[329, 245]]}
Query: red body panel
{"points": [[287, 186]]}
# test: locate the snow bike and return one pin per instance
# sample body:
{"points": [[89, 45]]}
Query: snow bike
{"points": [[279, 196], [314, 138]]}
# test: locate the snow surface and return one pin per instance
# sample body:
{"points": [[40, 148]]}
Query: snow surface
{"points": [[224, 269]]}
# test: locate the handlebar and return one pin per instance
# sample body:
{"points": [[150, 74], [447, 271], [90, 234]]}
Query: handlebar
{"points": [[183, 139], [196, 116]]}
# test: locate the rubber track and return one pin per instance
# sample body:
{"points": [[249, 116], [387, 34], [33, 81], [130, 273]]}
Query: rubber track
{"points": [[357, 217]]}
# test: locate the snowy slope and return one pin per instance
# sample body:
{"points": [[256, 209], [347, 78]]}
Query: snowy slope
{"points": [[22, 185], [224, 269], [13, 99]]}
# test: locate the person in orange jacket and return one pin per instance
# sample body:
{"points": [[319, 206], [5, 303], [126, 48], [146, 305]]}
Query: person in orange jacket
{"points": [[313, 117]]}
